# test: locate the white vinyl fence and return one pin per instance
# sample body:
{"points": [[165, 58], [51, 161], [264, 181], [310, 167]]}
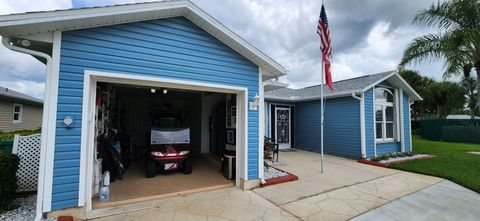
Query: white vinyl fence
{"points": [[27, 148]]}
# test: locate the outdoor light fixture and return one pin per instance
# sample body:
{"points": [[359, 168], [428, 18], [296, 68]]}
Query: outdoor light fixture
{"points": [[165, 91], [153, 90], [68, 121], [255, 103]]}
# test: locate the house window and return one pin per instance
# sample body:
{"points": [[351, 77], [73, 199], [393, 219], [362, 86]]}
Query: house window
{"points": [[17, 113], [385, 119]]}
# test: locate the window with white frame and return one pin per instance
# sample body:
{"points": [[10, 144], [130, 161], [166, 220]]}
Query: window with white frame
{"points": [[385, 119], [17, 113]]}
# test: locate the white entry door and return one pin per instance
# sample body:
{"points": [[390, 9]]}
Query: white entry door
{"points": [[282, 127]]}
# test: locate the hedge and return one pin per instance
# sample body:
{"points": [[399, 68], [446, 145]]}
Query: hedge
{"points": [[9, 135], [8, 179]]}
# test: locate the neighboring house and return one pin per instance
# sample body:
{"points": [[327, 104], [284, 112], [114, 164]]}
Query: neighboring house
{"points": [[364, 117], [19, 111], [461, 117], [167, 44]]}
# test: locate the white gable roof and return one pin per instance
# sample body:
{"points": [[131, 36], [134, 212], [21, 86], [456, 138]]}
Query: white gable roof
{"points": [[32, 23]]}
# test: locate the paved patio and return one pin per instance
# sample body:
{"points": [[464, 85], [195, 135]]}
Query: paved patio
{"points": [[345, 190]]}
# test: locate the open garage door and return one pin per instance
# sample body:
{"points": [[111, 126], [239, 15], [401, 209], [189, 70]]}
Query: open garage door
{"points": [[159, 138]]}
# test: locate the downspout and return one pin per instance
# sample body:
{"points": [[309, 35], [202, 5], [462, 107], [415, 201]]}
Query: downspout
{"points": [[40, 187], [362, 123]]}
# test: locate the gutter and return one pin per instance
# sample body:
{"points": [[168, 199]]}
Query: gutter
{"points": [[362, 122], [6, 41]]}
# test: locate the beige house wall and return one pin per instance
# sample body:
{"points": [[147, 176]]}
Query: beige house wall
{"points": [[31, 117]]}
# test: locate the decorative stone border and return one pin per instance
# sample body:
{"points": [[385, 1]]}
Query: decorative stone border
{"points": [[281, 179], [387, 164]]}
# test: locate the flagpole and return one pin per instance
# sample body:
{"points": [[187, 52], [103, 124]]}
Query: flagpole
{"points": [[321, 119]]}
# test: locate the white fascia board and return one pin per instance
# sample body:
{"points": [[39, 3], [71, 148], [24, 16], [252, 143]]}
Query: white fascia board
{"points": [[379, 81], [410, 89], [73, 14]]}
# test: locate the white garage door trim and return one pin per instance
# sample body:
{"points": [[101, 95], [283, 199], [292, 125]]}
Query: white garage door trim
{"points": [[87, 142]]}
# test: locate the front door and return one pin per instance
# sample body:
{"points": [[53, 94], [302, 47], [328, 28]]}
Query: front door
{"points": [[282, 127]]}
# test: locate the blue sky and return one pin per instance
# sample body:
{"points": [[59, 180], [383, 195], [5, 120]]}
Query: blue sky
{"points": [[368, 36]]}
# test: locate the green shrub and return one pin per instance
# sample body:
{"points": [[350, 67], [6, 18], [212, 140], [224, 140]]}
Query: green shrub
{"points": [[8, 179], [9, 135]]}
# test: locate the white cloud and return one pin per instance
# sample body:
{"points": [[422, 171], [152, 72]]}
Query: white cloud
{"points": [[32, 88]]}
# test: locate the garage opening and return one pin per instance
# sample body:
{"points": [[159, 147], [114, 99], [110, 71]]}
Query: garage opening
{"points": [[156, 142]]}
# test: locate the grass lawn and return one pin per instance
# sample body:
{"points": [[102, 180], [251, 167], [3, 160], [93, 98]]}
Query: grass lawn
{"points": [[450, 162]]}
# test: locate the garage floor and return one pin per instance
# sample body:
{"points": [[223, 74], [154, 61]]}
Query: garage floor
{"points": [[135, 187]]}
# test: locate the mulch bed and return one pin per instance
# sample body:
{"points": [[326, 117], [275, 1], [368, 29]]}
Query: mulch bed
{"points": [[365, 161]]}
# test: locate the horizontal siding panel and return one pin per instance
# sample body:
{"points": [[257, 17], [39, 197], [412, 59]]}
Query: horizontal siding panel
{"points": [[65, 180], [169, 48], [65, 196], [67, 139], [61, 204], [70, 91], [62, 188], [342, 127], [150, 54], [93, 60], [66, 155], [383, 148], [66, 163], [67, 147], [66, 171]]}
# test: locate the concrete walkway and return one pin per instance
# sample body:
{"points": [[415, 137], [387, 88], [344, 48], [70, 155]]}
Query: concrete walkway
{"points": [[442, 201], [345, 190]]}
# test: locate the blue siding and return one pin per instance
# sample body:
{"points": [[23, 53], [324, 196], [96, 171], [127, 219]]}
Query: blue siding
{"points": [[369, 123], [172, 48], [390, 147], [342, 126], [406, 122]]}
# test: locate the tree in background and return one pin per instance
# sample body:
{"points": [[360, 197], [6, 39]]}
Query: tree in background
{"points": [[439, 98], [457, 40], [419, 83], [445, 96], [469, 85]]}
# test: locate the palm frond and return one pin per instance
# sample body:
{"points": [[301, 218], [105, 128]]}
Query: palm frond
{"points": [[438, 15], [421, 49]]}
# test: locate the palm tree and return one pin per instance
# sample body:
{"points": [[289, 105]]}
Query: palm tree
{"points": [[457, 40], [469, 85]]}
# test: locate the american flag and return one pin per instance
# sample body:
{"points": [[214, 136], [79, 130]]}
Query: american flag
{"points": [[325, 45]]}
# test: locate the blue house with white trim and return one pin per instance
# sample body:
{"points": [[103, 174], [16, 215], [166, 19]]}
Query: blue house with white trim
{"points": [[111, 70], [364, 117]]}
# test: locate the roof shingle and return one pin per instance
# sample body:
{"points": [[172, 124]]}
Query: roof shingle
{"points": [[340, 88]]}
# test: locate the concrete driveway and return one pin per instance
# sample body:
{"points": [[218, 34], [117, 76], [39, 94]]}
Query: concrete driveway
{"points": [[345, 190]]}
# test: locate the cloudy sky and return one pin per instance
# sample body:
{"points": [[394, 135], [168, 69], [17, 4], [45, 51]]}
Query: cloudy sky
{"points": [[368, 36]]}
